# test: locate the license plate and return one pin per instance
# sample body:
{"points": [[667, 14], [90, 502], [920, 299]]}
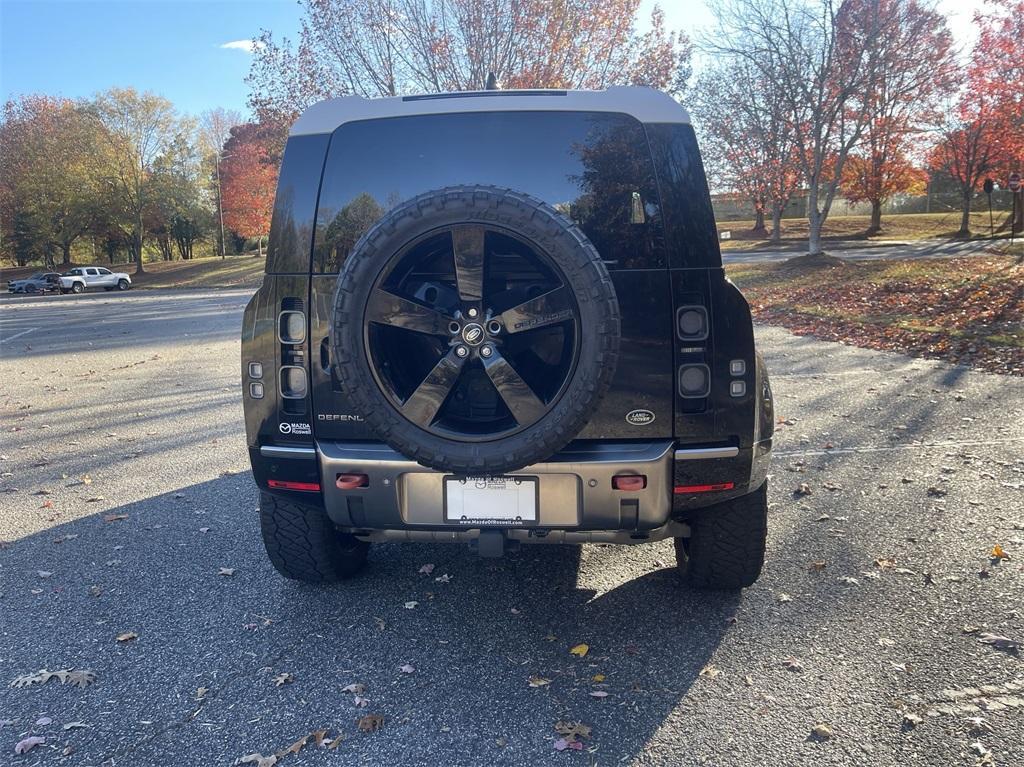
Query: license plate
{"points": [[490, 501]]}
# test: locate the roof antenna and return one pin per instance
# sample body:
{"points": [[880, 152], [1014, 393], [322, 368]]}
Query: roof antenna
{"points": [[492, 82]]}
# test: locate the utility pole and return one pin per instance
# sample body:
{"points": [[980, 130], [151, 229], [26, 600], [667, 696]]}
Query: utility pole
{"points": [[220, 207]]}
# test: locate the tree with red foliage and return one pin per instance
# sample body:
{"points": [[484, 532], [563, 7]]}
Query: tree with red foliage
{"points": [[248, 182], [997, 72], [747, 139], [985, 134], [914, 70], [392, 47], [968, 150], [876, 175]]}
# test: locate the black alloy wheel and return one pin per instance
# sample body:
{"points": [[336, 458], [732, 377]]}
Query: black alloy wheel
{"points": [[465, 357], [459, 329]]}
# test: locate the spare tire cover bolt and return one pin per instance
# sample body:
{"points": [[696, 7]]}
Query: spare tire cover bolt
{"points": [[461, 351], [472, 312], [485, 351], [494, 327]]}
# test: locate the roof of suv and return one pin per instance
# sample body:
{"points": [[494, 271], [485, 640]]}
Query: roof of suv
{"points": [[645, 104]]}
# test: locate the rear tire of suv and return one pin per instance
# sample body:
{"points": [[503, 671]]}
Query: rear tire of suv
{"points": [[727, 541], [303, 544]]}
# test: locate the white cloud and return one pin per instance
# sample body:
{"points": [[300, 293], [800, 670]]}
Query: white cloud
{"points": [[248, 46]]}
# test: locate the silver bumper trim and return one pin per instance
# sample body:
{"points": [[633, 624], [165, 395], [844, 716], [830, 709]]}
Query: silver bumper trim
{"points": [[276, 451], [704, 453]]}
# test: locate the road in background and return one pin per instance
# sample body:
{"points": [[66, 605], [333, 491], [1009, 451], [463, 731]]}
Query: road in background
{"points": [[126, 489], [873, 251]]}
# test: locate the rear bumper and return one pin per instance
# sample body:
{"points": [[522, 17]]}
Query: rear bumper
{"points": [[577, 502]]}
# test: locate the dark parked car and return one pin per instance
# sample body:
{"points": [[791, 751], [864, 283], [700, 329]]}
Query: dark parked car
{"points": [[501, 318]]}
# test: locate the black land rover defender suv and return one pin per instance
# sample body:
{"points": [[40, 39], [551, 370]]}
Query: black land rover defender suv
{"points": [[501, 317]]}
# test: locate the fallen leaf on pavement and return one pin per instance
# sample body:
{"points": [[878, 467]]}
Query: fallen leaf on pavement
{"points": [[803, 489], [539, 681], [127, 636], [356, 688], [411, 605], [74, 726], [226, 571], [298, 745], [848, 580], [598, 694], [817, 565], [370, 722], [597, 678], [44, 573], [784, 597], [793, 664], [259, 760], [998, 553], [821, 731], [26, 745], [333, 744], [114, 517], [408, 668], [43, 721], [912, 720], [445, 578], [427, 569], [319, 736], [709, 671], [81, 678], [1000, 642], [580, 650], [282, 679]]}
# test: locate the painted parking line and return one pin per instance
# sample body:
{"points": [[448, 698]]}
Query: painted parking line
{"points": [[16, 335], [891, 448]]}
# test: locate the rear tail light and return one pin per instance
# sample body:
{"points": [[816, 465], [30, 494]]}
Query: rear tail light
{"points": [[629, 482], [692, 323], [694, 381], [293, 382], [291, 327], [684, 489], [281, 484]]}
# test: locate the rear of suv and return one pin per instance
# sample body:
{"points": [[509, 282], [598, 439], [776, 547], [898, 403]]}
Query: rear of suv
{"points": [[501, 318]]}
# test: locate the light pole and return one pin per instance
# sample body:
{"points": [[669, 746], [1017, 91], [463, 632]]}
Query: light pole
{"points": [[220, 202]]}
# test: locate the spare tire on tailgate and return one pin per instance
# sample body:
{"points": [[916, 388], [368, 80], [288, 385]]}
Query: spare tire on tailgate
{"points": [[475, 329]]}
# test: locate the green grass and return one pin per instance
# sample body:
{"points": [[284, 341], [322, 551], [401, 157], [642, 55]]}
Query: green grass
{"points": [[902, 227]]}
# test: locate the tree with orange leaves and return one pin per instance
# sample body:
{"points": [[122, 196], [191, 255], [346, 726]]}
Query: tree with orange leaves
{"points": [[248, 182], [393, 47], [915, 70]]}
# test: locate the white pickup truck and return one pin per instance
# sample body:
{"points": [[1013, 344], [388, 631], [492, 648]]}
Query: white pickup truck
{"points": [[82, 277]]}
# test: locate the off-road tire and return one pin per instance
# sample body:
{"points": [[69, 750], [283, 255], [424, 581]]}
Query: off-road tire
{"points": [[727, 541], [123, 285], [551, 233], [303, 544]]}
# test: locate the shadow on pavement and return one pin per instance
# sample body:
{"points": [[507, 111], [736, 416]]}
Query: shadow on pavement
{"points": [[474, 641]]}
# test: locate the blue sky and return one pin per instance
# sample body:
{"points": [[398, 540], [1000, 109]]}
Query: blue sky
{"points": [[75, 48]]}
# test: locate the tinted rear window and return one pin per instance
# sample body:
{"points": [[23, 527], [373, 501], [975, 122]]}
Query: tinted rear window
{"points": [[291, 225], [594, 167]]}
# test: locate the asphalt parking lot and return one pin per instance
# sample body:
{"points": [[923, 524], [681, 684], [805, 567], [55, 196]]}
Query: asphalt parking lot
{"points": [[125, 491]]}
